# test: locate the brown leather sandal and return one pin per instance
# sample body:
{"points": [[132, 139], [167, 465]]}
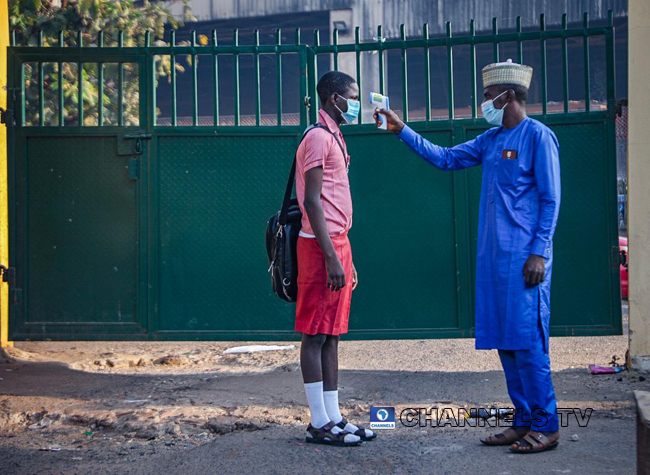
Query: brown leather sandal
{"points": [[535, 442], [324, 435], [506, 437], [361, 432]]}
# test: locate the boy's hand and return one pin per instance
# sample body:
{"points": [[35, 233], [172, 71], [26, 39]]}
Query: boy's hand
{"points": [[395, 124], [335, 274]]}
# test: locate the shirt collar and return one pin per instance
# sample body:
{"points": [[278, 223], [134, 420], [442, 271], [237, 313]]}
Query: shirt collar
{"points": [[329, 122]]}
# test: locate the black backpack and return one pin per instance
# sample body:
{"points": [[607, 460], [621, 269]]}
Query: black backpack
{"points": [[282, 236]]}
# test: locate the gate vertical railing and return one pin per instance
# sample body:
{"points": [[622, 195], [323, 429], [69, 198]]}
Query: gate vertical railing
{"points": [[456, 126], [102, 53]]}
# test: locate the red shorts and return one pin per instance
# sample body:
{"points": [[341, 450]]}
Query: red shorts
{"points": [[319, 310]]}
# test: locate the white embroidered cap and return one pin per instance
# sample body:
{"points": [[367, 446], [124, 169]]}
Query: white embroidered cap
{"points": [[507, 73]]}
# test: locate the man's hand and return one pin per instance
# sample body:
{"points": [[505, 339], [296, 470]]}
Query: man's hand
{"points": [[355, 277], [534, 270], [335, 274], [395, 124]]}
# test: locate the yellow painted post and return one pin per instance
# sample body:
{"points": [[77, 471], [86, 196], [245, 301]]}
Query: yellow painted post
{"points": [[4, 219]]}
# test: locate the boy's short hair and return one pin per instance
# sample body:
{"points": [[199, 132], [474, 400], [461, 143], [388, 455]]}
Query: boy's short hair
{"points": [[333, 82]]}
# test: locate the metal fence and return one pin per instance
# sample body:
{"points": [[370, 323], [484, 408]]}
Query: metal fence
{"points": [[92, 71], [160, 219]]}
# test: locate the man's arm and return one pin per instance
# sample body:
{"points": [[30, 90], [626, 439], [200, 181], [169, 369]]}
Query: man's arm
{"points": [[547, 179], [316, 215], [468, 154]]}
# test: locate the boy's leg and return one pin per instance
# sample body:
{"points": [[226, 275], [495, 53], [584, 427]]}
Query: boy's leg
{"points": [[311, 362], [312, 375], [330, 363]]}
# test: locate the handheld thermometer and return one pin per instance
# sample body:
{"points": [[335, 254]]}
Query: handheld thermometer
{"points": [[380, 102]]}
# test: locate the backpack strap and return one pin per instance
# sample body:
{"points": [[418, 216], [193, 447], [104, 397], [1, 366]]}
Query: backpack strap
{"points": [[292, 175]]}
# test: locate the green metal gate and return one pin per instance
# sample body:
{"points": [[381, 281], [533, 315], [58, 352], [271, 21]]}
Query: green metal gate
{"points": [[124, 226]]}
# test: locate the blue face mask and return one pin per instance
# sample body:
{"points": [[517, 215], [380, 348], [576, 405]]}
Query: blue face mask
{"points": [[492, 115], [352, 113]]}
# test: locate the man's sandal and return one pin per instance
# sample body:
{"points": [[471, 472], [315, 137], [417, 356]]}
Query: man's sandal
{"points": [[365, 435], [506, 437], [324, 435], [535, 442]]}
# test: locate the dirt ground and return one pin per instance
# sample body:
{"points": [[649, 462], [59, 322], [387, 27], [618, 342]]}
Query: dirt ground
{"points": [[187, 408]]}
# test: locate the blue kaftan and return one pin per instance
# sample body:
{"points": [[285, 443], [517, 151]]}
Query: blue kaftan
{"points": [[520, 202]]}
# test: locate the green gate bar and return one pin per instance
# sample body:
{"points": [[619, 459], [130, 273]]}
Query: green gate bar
{"points": [[100, 83], [427, 74], [585, 25], [172, 73], [41, 90], [472, 67], [520, 51], [357, 53], [256, 73], [495, 33], [215, 80], [278, 74], [565, 66], [80, 88], [120, 83], [382, 72], [450, 72], [61, 98], [611, 77], [195, 87], [405, 92], [335, 42], [235, 42], [542, 27]]}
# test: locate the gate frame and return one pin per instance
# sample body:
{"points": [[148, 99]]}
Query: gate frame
{"points": [[148, 189]]}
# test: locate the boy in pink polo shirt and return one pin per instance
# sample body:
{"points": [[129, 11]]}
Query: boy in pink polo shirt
{"points": [[326, 274]]}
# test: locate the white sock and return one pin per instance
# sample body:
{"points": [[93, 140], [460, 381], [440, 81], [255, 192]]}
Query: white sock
{"points": [[332, 406], [316, 403], [334, 412]]}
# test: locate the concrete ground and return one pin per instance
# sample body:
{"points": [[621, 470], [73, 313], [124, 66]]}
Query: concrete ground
{"points": [[139, 408]]}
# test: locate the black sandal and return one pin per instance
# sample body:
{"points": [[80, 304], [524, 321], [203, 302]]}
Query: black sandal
{"points": [[507, 437], [535, 442], [361, 432], [325, 436]]}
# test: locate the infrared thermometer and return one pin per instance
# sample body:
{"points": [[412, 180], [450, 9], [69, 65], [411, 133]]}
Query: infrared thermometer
{"points": [[380, 102]]}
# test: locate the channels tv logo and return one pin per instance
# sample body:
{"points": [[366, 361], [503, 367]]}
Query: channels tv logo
{"points": [[382, 417]]}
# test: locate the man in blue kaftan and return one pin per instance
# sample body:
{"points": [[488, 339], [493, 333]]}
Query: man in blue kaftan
{"points": [[520, 202]]}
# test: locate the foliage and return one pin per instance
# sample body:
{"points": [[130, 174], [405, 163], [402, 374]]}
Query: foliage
{"points": [[28, 18]]}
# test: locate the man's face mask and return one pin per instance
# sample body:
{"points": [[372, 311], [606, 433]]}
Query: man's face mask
{"points": [[352, 113], [492, 115]]}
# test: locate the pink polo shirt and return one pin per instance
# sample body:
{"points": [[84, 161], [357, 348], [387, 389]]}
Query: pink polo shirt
{"points": [[320, 149]]}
